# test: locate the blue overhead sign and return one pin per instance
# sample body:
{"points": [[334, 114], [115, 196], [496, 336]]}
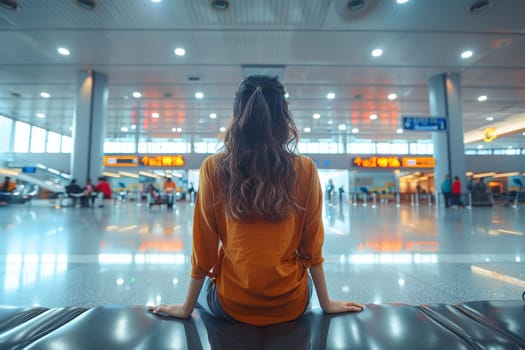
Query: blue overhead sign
{"points": [[425, 123]]}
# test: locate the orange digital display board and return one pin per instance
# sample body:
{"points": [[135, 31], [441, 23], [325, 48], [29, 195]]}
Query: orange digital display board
{"points": [[377, 162], [165, 160], [394, 162], [121, 160], [418, 162]]}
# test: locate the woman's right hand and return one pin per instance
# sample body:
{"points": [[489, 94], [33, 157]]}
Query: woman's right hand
{"points": [[174, 310]]}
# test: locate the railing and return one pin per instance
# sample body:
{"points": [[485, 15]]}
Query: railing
{"points": [[47, 178]]}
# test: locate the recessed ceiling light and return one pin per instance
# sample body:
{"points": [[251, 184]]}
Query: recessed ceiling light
{"points": [[156, 1], [479, 6], [399, 131], [155, 115], [40, 115], [355, 5], [373, 116], [355, 130], [401, 2], [316, 116], [179, 129], [179, 51], [330, 95], [220, 4], [136, 94], [87, 4], [222, 129], [199, 95], [213, 115], [466, 54], [63, 51], [307, 129], [509, 147], [342, 127], [482, 98], [10, 4], [480, 146], [330, 122], [392, 96], [70, 128], [44, 94], [133, 126], [377, 52], [523, 133], [490, 119], [173, 129], [124, 129]]}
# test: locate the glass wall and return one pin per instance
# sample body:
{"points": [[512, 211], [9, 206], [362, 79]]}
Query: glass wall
{"points": [[6, 125], [38, 140], [28, 138], [22, 137]]}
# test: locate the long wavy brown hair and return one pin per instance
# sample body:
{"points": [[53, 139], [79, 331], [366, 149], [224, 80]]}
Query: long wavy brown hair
{"points": [[255, 167]]}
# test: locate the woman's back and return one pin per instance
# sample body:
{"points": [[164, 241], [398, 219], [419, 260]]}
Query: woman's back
{"points": [[261, 262]]}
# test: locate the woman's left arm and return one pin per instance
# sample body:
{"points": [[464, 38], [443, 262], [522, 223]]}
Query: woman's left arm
{"points": [[182, 310]]}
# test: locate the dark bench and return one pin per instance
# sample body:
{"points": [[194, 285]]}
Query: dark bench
{"points": [[470, 325]]}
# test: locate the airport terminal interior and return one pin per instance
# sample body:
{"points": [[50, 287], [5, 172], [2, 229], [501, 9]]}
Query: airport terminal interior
{"points": [[389, 96]]}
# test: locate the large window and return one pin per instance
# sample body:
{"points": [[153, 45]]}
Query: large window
{"points": [[5, 134], [53, 142], [206, 146], [67, 144], [38, 140], [421, 148], [22, 136], [119, 147]]}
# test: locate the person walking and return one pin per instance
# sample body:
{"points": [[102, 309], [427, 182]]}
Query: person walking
{"points": [[456, 192], [257, 233]]}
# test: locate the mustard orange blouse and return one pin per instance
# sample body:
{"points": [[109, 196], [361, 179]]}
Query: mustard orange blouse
{"points": [[259, 267]]}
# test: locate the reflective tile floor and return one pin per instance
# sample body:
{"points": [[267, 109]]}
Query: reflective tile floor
{"points": [[127, 254]]}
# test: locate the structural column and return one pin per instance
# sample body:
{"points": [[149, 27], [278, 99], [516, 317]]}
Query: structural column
{"points": [[449, 147], [89, 126]]}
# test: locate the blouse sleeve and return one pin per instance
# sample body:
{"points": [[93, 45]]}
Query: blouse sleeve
{"points": [[310, 249], [205, 231]]}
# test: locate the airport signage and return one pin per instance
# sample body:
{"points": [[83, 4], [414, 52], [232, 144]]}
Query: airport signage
{"points": [[377, 162], [163, 161], [424, 123], [393, 162], [489, 134], [121, 161], [418, 162]]}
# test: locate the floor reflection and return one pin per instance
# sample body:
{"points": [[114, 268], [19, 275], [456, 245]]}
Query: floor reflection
{"points": [[128, 254]]}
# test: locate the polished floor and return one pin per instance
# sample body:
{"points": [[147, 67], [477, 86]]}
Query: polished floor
{"points": [[125, 253]]}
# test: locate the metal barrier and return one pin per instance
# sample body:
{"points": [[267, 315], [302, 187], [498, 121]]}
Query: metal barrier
{"points": [[516, 202], [469, 196]]}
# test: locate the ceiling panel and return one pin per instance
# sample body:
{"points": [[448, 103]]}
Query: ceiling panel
{"points": [[321, 44]]}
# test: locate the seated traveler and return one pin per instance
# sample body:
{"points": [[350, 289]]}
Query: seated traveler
{"points": [[104, 187], [257, 234], [7, 185], [74, 191]]}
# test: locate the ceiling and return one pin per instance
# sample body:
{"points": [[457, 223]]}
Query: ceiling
{"points": [[316, 46]]}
